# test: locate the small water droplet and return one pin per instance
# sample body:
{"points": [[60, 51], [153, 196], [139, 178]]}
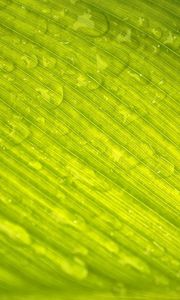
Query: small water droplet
{"points": [[164, 167], [124, 36], [39, 249], [75, 268], [48, 61], [90, 82], [133, 261], [49, 98], [46, 10], [17, 130], [41, 26], [29, 61], [80, 250], [143, 22], [157, 32], [35, 165]]}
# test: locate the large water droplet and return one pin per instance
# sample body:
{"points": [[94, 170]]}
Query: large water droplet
{"points": [[91, 23]]}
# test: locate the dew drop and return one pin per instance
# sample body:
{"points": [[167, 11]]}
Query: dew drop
{"points": [[35, 165], [49, 98], [91, 23], [84, 81], [75, 268], [41, 26], [112, 246], [156, 32], [39, 249], [164, 167], [17, 130], [48, 61], [29, 61], [134, 262], [124, 36], [80, 250], [46, 11], [79, 223], [143, 22], [15, 232]]}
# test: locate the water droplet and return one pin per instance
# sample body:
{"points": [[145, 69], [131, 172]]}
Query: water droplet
{"points": [[49, 98], [156, 32], [65, 217], [41, 26], [35, 165], [164, 167], [134, 262], [29, 61], [119, 289], [124, 36], [101, 63], [17, 130], [104, 241], [75, 268], [85, 81], [155, 249], [80, 250], [91, 23], [112, 246], [143, 22], [106, 62], [48, 61], [41, 121], [39, 249], [6, 65], [170, 39], [46, 10], [15, 232], [79, 223], [138, 78]]}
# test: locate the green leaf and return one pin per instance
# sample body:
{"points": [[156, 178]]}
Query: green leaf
{"points": [[89, 161]]}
